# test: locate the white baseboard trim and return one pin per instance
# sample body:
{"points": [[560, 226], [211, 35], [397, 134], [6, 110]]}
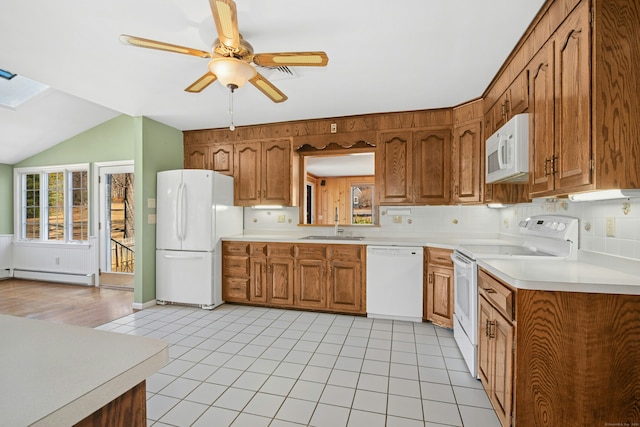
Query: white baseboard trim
{"points": [[142, 306], [5, 273], [73, 278]]}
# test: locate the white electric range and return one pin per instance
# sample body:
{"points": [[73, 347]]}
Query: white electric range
{"points": [[544, 237]]}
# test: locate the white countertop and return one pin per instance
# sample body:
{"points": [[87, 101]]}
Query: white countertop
{"points": [[568, 276], [592, 272], [56, 375], [443, 240]]}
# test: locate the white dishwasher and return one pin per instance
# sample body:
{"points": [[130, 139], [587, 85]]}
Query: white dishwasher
{"points": [[394, 282]]}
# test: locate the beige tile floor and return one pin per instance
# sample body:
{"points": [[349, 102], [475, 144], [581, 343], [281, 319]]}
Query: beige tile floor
{"points": [[253, 366]]}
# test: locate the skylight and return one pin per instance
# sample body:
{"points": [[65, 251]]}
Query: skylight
{"points": [[15, 90]]}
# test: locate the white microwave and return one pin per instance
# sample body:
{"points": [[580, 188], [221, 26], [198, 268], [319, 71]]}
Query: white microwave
{"points": [[508, 152]]}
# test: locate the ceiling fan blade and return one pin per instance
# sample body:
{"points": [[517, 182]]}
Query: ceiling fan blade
{"points": [[202, 83], [303, 59], [266, 87], [153, 44], [226, 19]]}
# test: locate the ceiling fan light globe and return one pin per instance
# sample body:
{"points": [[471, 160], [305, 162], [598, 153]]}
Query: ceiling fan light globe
{"points": [[232, 71]]}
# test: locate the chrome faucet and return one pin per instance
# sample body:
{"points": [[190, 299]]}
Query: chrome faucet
{"points": [[336, 219]]}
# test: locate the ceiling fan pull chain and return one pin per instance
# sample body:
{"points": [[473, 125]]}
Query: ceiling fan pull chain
{"points": [[231, 127]]}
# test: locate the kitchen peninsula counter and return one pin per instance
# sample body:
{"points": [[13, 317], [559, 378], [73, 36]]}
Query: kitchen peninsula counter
{"points": [[54, 374], [590, 273]]}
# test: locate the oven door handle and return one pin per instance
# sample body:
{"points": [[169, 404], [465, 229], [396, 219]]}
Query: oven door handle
{"points": [[461, 261]]}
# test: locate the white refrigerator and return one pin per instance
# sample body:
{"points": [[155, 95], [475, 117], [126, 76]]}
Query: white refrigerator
{"points": [[194, 209]]}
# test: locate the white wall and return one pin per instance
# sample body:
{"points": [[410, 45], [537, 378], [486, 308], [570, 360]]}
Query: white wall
{"points": [[593, 216], [6, 255]]}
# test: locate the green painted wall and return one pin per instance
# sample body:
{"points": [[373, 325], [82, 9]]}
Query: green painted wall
{"points": [[157, 147], [110, 141], [6, 199], [151, 145]]}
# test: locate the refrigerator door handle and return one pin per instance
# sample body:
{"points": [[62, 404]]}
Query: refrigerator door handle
{"points": [[183, 213], [182, 256], [179, 206]]}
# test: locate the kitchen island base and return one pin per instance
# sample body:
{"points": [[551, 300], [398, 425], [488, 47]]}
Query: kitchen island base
{"points": [[126, 410], [573, 360]]}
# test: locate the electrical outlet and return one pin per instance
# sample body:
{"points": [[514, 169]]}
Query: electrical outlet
{"points": [[281, 218], [611, 226], [397, 219]]}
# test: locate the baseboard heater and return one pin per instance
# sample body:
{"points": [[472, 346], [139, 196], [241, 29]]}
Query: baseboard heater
{"points": [[5, 273], [74, 278]]}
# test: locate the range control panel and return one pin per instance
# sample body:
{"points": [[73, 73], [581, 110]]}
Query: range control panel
{"points": [[552, 226]]}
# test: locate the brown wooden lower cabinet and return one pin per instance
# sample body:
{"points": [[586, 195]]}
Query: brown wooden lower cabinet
{"points": [[551, 358], [345, 286], [311, 283], [438, 287], [127, 410], [305, 276], [235, 271]]}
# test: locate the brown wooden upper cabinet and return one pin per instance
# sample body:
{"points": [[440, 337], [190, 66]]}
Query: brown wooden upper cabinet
{"points": [[196, 156], [263, 173], [560, 125], [413, 167], [514, 100], [214, 156], [585, 102], [468, 164]]}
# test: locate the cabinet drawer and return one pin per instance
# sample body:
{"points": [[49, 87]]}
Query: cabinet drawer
{"points": [[310, 251], [497, 293], [258, 249], [279, 250], [235, 248], [345, 252], [235, 265], [235, 289], [440, 256]]}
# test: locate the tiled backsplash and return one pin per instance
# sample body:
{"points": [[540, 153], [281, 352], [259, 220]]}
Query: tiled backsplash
{"points": [[593, 220], [394, 220], [416, 220]]}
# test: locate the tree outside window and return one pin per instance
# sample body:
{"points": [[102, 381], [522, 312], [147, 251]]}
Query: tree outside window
{"points": [[54, 205]]}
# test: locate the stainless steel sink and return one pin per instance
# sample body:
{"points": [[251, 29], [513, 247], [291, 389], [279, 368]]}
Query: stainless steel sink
{"points": [[332, 238]]}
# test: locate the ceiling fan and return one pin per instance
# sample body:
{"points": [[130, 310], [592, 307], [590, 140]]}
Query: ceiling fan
{"points": [[231, 56]]}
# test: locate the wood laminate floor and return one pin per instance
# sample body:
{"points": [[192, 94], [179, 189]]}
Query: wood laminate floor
{"points": [[63, 303]]}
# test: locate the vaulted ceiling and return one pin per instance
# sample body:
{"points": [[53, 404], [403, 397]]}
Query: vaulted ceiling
{"points": [[383, 57]]}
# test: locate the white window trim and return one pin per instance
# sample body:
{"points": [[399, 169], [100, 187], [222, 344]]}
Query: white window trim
{"points": [[18, 200]]}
